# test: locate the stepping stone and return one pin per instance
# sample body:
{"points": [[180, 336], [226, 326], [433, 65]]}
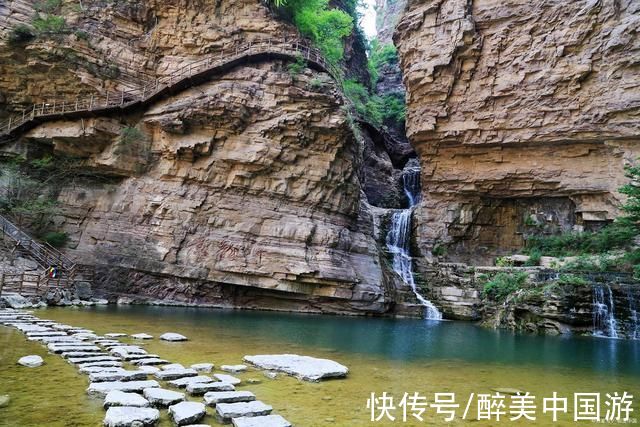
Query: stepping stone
{"points": [[140, 356], [80, 331], [149, 361], [263, 421], [183, 382], [197, 389], [226, 411], [302, 367], [85, 360], [142, 336], [62, 327], [46, 334], [120, 398], [62, 348], [174, 374], [185, 413], [128, 416], [203, 367], [172, 366], [31, 361], [59, 339], [125, 350], [102, 389], [100, 364], [94, 369], [229, 379], [97, 377], [234, 369], [212, 398], [148, 369], [69, 354], [115, 335], [162, 397], [83, 336], [171, 336]]}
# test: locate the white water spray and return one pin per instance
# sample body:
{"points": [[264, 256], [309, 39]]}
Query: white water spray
{"points": [[399, 236]]}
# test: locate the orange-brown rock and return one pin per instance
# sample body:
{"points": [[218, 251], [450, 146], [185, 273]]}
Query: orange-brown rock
{"points": [[521, 113]]}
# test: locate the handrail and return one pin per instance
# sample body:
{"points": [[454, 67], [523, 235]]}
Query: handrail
{"points": [[46, 256], [148, 89]]}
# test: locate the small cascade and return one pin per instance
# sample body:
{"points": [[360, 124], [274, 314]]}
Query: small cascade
{"points": [[604, 317], [400, 234], [634, 328]]}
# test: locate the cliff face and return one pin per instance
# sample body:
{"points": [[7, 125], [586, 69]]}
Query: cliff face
{"points": [[240, 191], [520, 112]]}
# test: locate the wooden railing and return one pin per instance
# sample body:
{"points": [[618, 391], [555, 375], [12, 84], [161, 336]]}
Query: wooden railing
{"points": [[43, 254], [99, 102], [31, 284]]}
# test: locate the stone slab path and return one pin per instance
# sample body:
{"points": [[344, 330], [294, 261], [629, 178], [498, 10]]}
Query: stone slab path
{"points": [[133, 391]]}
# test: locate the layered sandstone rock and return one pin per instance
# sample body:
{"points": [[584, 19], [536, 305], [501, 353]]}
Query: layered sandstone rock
{"points": [[520, 112], [241, 191]]}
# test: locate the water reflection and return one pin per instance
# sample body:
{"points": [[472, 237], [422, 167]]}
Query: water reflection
{"points": [[409, 339]]}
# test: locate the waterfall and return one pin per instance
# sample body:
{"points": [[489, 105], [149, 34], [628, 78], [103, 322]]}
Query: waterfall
{"points": [[604, 316], [400, 234], [634, 332]]}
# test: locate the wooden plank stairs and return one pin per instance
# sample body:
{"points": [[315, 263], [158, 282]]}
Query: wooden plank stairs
{"points": [[31, 284]]}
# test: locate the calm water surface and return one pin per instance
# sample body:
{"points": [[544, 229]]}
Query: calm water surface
{"points": [[384, 355]]}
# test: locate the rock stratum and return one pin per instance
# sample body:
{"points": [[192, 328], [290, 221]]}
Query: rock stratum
{"points": [[522, 113], [244, 190]]}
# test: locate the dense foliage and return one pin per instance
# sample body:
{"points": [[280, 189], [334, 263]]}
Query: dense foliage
{"points": [[325, 27], [500, 286]]}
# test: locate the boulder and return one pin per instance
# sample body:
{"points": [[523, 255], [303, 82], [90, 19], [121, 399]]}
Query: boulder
{"points": [[263, 421], [120, 398], [203, 367], [128, 416], [227, 411], [161, 397], [16, 301], [185, 413], [31, 361], [212, 398], [303, 367], [172, 336], [4, 400]]}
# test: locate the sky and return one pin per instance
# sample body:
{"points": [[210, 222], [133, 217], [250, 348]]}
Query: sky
{"points": [[368, 22]]}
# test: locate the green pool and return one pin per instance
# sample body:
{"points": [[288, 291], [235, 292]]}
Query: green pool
{"points": [[384, 355]]}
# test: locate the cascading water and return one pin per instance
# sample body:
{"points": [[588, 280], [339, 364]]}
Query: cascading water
{"points": [[604, 316], [400, 234], [634, 327]]}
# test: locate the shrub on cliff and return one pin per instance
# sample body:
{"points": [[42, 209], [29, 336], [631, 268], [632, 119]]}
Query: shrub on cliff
{"points": [[20, 34], [325, 27], [500, 286]]}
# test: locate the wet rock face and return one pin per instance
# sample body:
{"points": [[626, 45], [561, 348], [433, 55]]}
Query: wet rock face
{"points": [[511, 100]]}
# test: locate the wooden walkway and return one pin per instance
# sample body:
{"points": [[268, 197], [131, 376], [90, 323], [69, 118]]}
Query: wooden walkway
{"points": [[27, 283], [150, 91]]}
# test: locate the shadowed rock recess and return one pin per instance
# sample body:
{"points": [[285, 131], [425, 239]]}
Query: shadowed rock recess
{"points": [[241, 191]]}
